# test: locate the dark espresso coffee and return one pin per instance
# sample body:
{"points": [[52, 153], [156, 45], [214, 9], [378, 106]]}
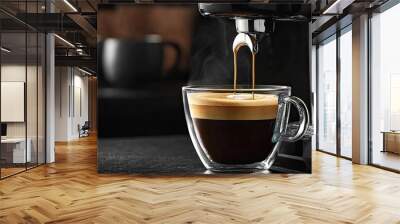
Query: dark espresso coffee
{"points": [[234, 128]]}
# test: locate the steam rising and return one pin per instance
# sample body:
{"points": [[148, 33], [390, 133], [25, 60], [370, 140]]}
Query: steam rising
{"points": [[212, 59]]}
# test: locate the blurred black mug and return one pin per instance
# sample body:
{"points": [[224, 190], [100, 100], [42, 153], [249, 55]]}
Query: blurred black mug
{"points": [[127, 63]]}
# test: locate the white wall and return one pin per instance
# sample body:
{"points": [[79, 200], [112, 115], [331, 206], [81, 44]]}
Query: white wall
{"points": [[62, 81], [12, 73], [71, 94], [13, 101], [79, 117], [33, 126]]}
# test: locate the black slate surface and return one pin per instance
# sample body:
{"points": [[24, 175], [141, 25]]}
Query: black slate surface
{"points": [[161, 154], [168, 155]]}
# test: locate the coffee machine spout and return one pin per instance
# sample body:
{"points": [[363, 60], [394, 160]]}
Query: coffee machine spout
{"points": [[256, 26], [243, 39]]}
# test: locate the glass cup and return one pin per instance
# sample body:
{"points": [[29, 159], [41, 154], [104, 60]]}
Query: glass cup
{"points": [[241, 130]]}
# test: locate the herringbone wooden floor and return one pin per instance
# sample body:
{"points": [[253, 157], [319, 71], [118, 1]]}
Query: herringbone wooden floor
{"points": [[71, 191]]}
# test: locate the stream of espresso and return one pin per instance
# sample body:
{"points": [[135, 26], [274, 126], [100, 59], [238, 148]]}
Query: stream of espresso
{"points": [[253, 70]]}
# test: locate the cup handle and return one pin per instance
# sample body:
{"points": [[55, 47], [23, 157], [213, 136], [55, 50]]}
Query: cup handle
{"points": [[178, 54], [295, 131]]}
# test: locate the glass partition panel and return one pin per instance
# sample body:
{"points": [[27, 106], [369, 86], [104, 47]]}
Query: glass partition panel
{"points": [[346, 93], [32, 96], [326, 105], [385, 89], [14, 151], [22, 88]]}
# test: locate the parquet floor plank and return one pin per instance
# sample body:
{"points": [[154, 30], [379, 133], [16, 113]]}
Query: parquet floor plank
{"points": [[71, 191]]}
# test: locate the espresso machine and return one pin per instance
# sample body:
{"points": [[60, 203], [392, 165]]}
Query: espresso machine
{"points": [[278, 32]]}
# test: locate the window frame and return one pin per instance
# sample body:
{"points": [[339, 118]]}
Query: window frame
{"points": [[333, 37], [381, 9], [25, 30]]}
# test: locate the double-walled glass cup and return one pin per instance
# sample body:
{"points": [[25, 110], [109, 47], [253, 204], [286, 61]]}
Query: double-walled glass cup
{"points": [[241, 130]]}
